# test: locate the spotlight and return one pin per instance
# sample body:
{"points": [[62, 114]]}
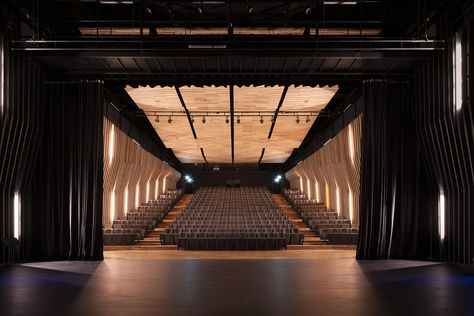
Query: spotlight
{"points": [[227, 120], [273, 118], [192, 119], [307, 119], [200, 9], [157, 119], [250, 9], [308, 11], [297, 120], [238, 119], [188, 179], [261, 119], [169, 119], [277, 179], [203, 120], [148, 10]]}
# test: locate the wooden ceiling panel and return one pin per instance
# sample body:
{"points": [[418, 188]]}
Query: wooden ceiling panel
{"points": [[156, 98], [212, 99], [250, 137], [179, 138], [214, 138], [308, 98], [258, 98]]}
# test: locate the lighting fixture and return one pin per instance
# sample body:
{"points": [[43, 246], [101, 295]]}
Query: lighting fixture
{"points": [[157, 119], [308, 11], [169, 119], [277, 179], [227, 120], [192, 119], [307, 119], [200, 9], [250, 9], [148, 10], [188, 179], [203, 120], [238, 119], [297, 120], [261, 119]]}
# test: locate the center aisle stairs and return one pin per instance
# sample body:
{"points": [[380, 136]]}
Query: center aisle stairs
{"points": [[310, 239]]}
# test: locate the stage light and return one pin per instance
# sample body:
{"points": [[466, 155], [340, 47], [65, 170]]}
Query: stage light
{"points": [[200, 9], [307, 119], [227, 120], [238, 119], [203, 120], [261, 119], [157, 119], [297, 120], [148, 10], [169, 119], [308, 11], [250, 9], [188, 179], [277, 179], [192, 119]]}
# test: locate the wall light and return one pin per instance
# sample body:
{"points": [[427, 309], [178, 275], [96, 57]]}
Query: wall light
{"points": [[457, 72], [277, 179], [164, 184], [112, 205], [338, 200], [137, 195], [2, 71], [188, 179], [125, 200], [351, 205], [16, 215], [441, 215], [351, 145], [318, 198], [308, 186]]}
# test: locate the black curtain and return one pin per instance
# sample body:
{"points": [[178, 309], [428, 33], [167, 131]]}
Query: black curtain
{"points": [[66, 220], [394, 223]]}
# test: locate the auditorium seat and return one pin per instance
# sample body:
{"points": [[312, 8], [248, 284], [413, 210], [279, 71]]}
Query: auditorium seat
{"points": [[232, 219], [322, 221], [138, 222]]}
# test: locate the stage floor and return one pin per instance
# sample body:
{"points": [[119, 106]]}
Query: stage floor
{"points": [[212, 285]]}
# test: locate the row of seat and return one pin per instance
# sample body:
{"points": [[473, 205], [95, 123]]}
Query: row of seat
{"points": [[138, 222], [322, 221], [232, 218]]}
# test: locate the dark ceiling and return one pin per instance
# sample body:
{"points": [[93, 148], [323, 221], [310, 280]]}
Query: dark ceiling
{"points": [[151, 57]]}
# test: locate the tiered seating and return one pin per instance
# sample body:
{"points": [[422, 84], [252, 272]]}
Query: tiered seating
{"points": [[232, 218], [322, 221], [140, 221]]}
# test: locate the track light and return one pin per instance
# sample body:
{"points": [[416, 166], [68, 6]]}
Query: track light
{"points": [[192, 119], [227, 120], [238, 119], [261, 119], [297, 120], [157, 119], [169, 119], [307, 119], [308, 11], [273, 118], [203, 120]]}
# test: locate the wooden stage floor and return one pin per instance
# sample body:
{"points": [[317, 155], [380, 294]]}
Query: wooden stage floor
{"points": [[258, 283]]}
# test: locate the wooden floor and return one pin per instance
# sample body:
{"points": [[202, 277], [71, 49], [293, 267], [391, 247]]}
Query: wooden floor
{"points": [[182, 287]]}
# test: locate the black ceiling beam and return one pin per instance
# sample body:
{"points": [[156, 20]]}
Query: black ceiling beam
{"points": [[203, 156], [231, 101], [261, 155], [186, 110], [280, 103]]}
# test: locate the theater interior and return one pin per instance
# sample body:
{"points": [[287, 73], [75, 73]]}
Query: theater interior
{"points": [[228, 157]]}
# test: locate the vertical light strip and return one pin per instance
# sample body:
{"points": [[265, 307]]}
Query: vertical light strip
{"points": [[137, 195], [441, 216], [111, 144], [308, 186], [125, 200], [164, 184], [16, 215], [301, 184], [157, 185], [351, 144], [112, 205], [338, 201], [328, 196], [457, 72], [147, 191], [318, 198], [351, 205]]}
